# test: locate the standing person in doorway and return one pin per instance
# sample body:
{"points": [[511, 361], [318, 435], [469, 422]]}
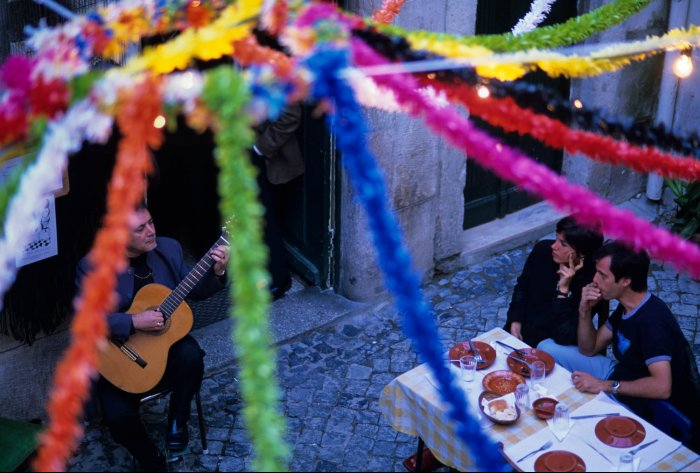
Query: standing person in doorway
{"points": [[277, 156], [154, 260]]}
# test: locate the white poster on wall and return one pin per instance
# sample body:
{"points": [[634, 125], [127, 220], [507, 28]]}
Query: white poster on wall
{"points": [[44, 242]]}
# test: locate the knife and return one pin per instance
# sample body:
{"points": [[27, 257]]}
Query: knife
{"points": [[597, 451], [642, 447], [591, 416], [515, 350]]}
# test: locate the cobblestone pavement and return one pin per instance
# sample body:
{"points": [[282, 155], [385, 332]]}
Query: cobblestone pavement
{"points": [[332, 378]]}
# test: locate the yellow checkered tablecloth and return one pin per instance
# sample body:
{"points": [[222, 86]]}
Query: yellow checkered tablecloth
{"points": [[412, 405]]}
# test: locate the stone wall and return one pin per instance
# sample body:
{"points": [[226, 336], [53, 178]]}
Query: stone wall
{"points": [[424, 177]]}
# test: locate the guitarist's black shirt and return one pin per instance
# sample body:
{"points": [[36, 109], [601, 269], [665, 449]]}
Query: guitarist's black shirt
{"points": [[142, 273]]}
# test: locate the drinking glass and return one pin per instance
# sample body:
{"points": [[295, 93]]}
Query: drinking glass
{"points": [[560, 422], [537, 375], [522, 397], [468, 365], [626, 462]]}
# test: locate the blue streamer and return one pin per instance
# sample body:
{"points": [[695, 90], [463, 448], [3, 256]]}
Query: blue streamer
{"points": [[350, 130]]}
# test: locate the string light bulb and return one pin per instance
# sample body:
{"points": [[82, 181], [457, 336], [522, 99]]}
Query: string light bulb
{"points": [[159, 122], [683, 65], [483, 92]]}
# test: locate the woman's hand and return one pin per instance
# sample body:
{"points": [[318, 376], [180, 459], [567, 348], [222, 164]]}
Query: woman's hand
{"points": [[515, 328], [566, 273]]}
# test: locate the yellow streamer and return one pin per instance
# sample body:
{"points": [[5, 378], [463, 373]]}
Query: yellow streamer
{"points": [[206, 43], [513, 66]]}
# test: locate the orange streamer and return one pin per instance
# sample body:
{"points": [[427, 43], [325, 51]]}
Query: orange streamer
{"points": [[138, 107], [388, 11]]}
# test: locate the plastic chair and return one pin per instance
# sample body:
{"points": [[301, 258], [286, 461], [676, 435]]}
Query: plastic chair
{"points": [[200, 416], [671, 421]]}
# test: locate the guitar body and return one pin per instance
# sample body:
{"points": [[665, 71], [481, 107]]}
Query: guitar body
{"points": [[151, 347]]}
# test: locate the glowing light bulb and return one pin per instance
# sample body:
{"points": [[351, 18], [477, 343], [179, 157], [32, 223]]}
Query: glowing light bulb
{"points": [[159, 122], [578, 103], [483, 92], [683, 66]]}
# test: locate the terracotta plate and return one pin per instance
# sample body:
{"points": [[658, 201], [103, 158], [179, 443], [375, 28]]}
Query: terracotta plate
{"points": [[544, 407], [502, 382], [620, 431], [460, 349], [559, 460], [489, 396], [531, 355]]}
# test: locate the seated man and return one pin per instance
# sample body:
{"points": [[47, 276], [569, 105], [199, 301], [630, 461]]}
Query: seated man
{"points": [[546, 297], [154, 260], [652, 356]]}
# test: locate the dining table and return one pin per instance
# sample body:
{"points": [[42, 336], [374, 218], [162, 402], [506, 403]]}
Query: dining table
{"points": [[411, 404]]}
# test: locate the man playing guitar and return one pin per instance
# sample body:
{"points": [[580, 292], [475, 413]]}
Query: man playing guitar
{"points": [[155, 260]]}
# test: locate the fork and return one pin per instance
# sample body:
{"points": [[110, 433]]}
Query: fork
{"points": [[526, 366], [542, 448], [477, 356]]}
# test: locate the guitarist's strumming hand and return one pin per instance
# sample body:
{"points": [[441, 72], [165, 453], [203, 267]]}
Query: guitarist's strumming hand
{"points": [[148, 321], [220, 257]]}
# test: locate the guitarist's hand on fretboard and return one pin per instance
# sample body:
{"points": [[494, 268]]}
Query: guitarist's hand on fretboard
{"points": [[148, 321], [220, 257]]}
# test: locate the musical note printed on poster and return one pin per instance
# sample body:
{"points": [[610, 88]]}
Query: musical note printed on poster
{"points": [[44, 243]]}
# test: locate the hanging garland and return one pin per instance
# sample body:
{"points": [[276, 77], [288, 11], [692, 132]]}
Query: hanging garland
{"points": [[544, 101], [226, 94], [574, 30], [506, 114], [388, 11], [206, 43], [537, 14], [589, 209], [392, 256], [77, 368], [326, 62], [62, 139], [609, 58]]}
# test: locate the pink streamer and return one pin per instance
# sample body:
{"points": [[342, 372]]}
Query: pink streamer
{"points": [[587, 207]]}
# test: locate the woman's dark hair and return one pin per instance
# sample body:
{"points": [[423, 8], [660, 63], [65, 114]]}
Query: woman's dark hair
{"points": [[582, 239], [626, 263]]}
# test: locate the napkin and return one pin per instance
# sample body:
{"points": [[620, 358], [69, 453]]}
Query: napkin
{"points": [[509, 398], [560, 435]]}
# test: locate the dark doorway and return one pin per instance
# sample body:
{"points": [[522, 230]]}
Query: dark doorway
{"points": [[184, 200], [487, 197]]}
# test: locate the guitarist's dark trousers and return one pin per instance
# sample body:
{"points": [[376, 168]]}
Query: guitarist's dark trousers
{"points": [[120, 409]]}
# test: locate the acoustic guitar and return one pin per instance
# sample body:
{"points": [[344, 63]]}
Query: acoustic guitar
{"points": [[137, 365]]}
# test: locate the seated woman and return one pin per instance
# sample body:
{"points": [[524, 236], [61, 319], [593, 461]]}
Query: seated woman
{"points": [[546, 297]]}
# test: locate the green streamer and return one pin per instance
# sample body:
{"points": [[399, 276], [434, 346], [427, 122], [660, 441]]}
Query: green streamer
{"points": [[226, 94], [570, 32]]}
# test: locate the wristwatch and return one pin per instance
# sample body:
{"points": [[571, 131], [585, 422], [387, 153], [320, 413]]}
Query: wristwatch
{"points": [[563, 294], [614, 387]]}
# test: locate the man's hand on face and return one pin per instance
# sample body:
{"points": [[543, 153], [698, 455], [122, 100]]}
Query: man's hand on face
{"points": [[587, 383], [148, 321], [590, 296]]}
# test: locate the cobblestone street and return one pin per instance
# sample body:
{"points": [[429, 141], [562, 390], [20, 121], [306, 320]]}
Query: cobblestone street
{"points": [[332, 378]]}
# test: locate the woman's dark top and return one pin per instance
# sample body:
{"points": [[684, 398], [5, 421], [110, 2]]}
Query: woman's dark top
{"points": [[535, 303]]}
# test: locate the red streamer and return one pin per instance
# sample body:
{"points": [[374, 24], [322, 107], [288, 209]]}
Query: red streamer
{"points": [[505, 113], [89, 328]]}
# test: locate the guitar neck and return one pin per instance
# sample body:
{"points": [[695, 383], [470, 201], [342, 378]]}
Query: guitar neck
{"points": [[168, 306]]}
